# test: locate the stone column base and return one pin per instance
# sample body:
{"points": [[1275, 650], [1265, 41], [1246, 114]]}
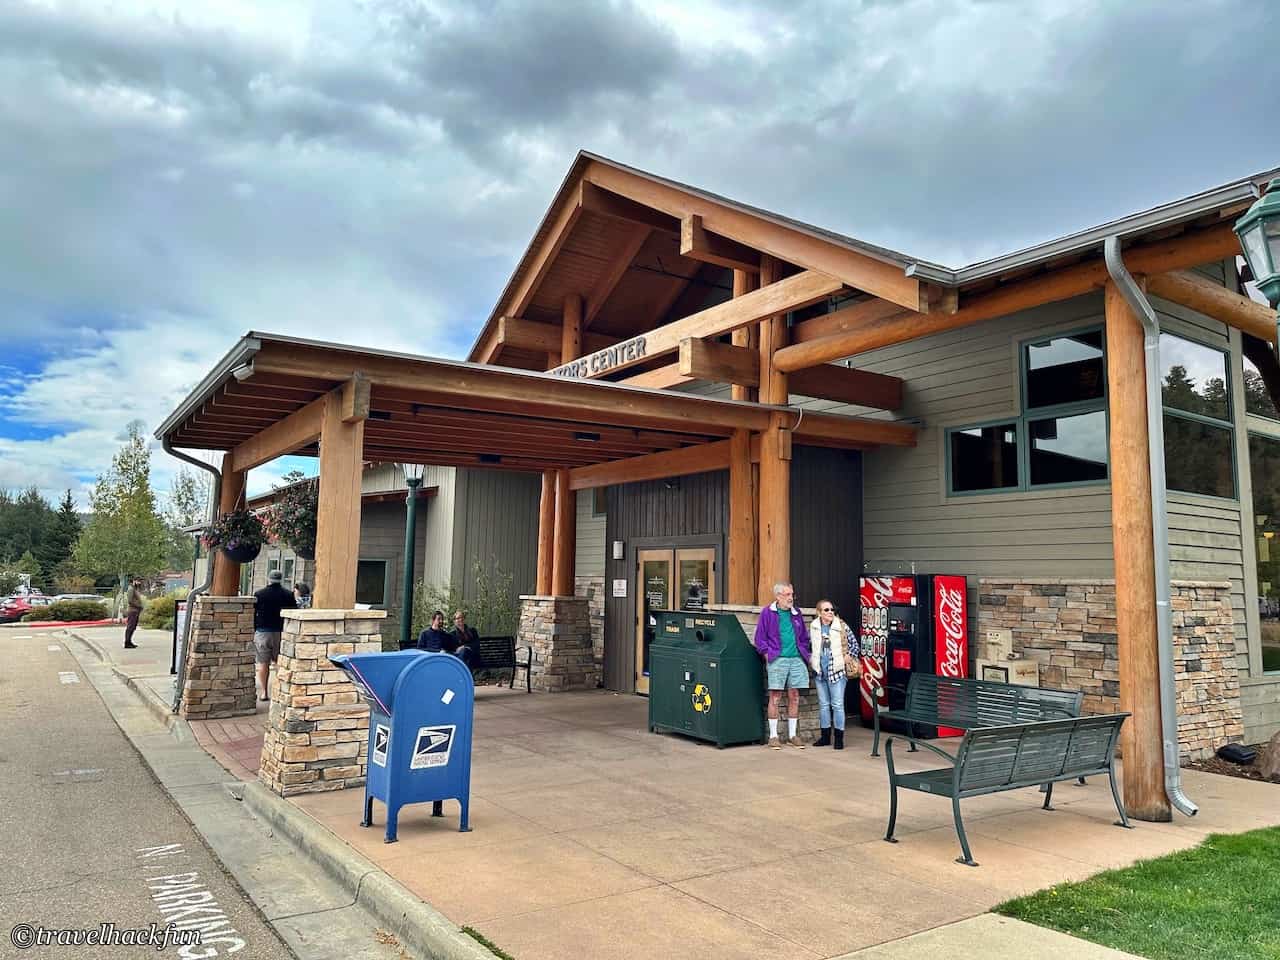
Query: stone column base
{"points": [[318, 730], [558, 631], [218, 677]]}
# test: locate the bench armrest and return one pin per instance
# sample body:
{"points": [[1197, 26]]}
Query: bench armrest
{"points": [[880, 688], [526, 648]]}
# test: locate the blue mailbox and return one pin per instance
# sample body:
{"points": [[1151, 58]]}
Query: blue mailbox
{"points": [[420, 711]]}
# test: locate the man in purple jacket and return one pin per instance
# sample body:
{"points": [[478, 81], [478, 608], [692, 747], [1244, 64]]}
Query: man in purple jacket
{"points": [[783, 641]]}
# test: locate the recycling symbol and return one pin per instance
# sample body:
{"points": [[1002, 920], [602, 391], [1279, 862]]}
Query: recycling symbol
{"points": [[701, 698]]}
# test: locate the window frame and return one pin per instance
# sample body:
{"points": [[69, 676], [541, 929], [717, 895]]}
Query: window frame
{"points": [[386, 580], [1025, 415], [1229, 424], [1270, 432], [1272, 418]]}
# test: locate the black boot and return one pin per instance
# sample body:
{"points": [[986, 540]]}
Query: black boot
{"points": [[824, 739], [839, 739]]}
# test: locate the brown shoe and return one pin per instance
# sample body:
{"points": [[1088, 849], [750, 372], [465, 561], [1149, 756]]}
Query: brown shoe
{"points": [[796, 742], [774, 743]]}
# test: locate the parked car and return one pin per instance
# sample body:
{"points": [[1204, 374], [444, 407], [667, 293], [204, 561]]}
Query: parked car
{"points": [[15, 608], [81, 596]]}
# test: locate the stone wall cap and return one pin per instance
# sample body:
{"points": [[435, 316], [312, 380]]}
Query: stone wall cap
{"points": [[549, 596], [238, 598], [1202, 584], [1049, 581], [339, 614], [735, 607]]}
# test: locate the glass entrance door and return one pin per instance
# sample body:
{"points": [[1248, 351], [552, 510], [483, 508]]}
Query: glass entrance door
{"points": [[668, 579]]}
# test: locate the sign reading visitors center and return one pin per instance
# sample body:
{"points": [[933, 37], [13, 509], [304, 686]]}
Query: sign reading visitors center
{"points": [[602, 361]]}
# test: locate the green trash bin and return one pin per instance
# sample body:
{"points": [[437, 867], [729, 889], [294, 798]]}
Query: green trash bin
{"points": [[706, 679]]}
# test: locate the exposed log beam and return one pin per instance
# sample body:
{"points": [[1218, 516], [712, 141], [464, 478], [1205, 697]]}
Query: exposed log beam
{"points": [[1214, 300], [699, 243], [282, 437], [539, 337], [722, 362], [851, 317], [847, 385], [609, 280], [702, 458], [791, 244], [749, 338], [338, 512], [606, 203], [355, 399], [658, 378], [1162, 256], [826, 429], [792, 293]]}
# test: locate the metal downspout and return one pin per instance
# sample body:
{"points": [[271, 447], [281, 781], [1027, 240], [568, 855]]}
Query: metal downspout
{"points": [[1142, 309], [214, 498]]}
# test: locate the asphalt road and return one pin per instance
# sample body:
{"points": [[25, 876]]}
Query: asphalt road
{"points": [[87, 835]]}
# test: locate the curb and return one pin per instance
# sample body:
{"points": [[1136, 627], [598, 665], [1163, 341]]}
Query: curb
{"points": [[421, 929], [158, 707]]}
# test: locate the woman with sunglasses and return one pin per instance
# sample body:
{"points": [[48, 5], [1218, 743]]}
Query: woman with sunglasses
{"points": [[832, 660]]}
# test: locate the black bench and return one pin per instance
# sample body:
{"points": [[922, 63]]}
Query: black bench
{"points": [[966, 704], [995, 759], [499, 653]]}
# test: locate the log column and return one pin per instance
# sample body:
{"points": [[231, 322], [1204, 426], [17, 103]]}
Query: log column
{"points": [[546, 532], [1132, 536], [563, 556], [775, 455], [742, 520], [226, 572], [748, 336], [338, 517], [571, 328]]}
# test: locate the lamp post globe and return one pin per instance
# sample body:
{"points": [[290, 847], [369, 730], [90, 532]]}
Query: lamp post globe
{"points": [[1259, 233], [412, 480]]}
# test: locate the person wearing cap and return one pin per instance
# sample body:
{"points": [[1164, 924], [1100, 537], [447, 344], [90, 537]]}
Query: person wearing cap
{"points": [[134, 603], [267, 627]]}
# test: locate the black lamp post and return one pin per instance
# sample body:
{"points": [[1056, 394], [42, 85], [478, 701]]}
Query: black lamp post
{"points": [[413, 480]]}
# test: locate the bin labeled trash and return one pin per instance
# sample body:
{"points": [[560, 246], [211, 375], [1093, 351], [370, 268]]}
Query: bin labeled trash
{"points": [[420, 714], [705, 678]]}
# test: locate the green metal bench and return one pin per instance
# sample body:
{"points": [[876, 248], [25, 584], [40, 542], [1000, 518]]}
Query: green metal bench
{"points": [[966, 704], [995, 759]]}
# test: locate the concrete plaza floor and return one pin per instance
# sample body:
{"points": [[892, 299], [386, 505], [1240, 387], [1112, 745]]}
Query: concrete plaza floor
{"points": [[593, 837]]}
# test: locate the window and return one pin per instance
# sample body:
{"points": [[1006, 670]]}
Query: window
{"points": [[1264, 468], [371, 582], [984, 458], [598, 501], [1257, 398], [1198, 434], [1061, 437]]}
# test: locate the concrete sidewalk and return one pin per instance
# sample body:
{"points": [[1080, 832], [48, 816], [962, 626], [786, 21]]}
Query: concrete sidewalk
{"points": [[986, 937]]}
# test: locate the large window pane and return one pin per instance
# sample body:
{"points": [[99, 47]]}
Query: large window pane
{"points": [[1069, 449], [371, 582], [1197, 457], [984, 458], [1257, 398], [1193, 377], [1264, 468], [1065, 370]]}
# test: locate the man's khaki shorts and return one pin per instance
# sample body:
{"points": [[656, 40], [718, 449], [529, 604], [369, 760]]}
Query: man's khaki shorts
{"points": [[266, 646]]}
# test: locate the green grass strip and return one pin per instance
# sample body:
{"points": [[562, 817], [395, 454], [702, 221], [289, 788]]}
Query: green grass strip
{"points": [[488, 944], [1220, 900]]}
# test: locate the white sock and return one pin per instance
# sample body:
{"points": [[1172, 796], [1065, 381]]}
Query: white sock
{"points": [[773, 728], [791, 727]]}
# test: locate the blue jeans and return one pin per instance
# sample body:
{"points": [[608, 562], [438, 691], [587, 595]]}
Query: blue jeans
{"points": [[830, 697]]}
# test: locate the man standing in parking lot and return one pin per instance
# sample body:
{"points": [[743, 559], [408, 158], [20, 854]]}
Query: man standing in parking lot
{"points": [[133, 604], [267, 627]]}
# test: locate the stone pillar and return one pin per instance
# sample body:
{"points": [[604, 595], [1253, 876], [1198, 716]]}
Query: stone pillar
{"points": [[558, 631], [807, 725], [318, 730], [218, 678]]}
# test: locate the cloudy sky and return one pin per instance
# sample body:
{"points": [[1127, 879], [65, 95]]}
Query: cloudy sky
{"points": [[174, 174]]}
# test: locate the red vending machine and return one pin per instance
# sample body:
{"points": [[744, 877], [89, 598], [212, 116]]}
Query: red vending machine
{"points": [[910, 622]]}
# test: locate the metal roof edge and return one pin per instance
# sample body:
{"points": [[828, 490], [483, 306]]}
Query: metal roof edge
{"points": [[240, 353]]}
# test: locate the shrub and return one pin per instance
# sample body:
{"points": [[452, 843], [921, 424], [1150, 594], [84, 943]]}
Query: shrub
{"points": [[68, 610], [492, 609], [74, 583], [158, 611]]}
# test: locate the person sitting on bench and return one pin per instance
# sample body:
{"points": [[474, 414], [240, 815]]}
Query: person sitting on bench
{"points": [[466, 640], [434, 639]]}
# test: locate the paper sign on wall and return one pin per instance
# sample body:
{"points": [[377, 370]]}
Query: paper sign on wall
{"points": [[620, 588]]}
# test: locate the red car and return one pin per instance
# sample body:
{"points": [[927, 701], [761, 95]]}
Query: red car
{"points": [[17, 607]]}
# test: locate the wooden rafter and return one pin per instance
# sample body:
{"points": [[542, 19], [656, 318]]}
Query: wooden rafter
{"points": [[604, 287], [699, 243], [656, 466], [280, 438], [1214, 300]]}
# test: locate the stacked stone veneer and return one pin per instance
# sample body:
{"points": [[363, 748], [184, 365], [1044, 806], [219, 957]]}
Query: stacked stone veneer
{"points": [[318, 730], [807, 727], [218, 676], [592, 588], [1069, 627], [558, 631]]}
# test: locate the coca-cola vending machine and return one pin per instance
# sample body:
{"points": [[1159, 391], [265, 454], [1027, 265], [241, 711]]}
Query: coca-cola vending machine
{"points": [[909, 623]]}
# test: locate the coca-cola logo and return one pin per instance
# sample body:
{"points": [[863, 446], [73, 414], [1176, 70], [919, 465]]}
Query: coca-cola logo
{"points": [[950, 622], [872, 674]]}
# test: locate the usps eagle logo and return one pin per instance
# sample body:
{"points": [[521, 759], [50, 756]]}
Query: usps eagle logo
{"points": [[432, 747], [381, 735]]}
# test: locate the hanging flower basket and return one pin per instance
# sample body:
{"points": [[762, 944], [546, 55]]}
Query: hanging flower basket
{"points": [[238, 534], [291, 517]]}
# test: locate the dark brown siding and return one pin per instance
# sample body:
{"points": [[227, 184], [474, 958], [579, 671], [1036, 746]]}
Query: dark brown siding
{"points": [[826, 527], [826, 538]]}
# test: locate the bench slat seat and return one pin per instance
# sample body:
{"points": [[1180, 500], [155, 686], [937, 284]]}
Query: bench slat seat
{"points": [[1011, 757]]}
